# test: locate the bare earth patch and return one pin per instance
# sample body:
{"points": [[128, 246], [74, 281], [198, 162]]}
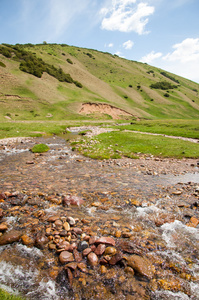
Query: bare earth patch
{"points": [[102, 108]]}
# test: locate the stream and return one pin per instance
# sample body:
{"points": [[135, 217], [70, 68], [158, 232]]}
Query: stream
{"points": [[75, 228]]}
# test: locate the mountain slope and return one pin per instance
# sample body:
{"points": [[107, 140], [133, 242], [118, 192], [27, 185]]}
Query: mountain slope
{"points": [[68, 76]]}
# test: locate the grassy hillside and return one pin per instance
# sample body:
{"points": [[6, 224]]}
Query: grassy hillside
{"points": [[51, 82]]}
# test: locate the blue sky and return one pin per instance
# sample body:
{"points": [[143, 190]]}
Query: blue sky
{"points": [[162, 33]]}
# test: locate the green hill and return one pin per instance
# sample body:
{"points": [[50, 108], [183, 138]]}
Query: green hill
{"points": [[61, 82]]}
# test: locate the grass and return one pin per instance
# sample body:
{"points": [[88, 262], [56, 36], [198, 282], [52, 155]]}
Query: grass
{"points": [[184, 128], [118, 144], [40, 148], [6, 296]]}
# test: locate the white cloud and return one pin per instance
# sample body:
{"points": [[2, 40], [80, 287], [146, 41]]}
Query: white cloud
{"points": [[128, 45], [126, 16], [150, 57], [186, 51], [110, 45], [183, 61]]}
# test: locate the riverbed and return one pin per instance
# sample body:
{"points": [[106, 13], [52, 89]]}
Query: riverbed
{"points": [[77, 228]]}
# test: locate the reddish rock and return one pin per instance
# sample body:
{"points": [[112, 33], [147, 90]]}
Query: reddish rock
{"points": [[72, 265], [66, 257], [77, 230], [82, 266], [2, 196], [142, 265], [86, 251], [77, 255], [1, 212], [100, 249], [41, 241], [106, 240], [93, 239], [116, 258], [92, 259], [10, 237], [72, 200], [70, 276]]}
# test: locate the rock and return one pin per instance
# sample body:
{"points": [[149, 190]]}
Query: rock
{"points": [[53, 218], [86, 251], [100, 249], [77, 255], [10, 237], [193, 222], [82, 266], [72, 265], [103, 269], [58, 223], [70, 276], [92, 259], [72, 200], [66, 226], [41, 241], [93, 239], [116, 258], [3, 227], [71, 221], [106, 240], [96, 204], [77, 230], [66, 257], [1, 212], [118, 234], [177, 193], [142, 265], [82, 246], [129, 271], [27, 240], [110, 251]]}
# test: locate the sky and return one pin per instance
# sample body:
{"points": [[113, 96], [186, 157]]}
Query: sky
{"points": [[161, 33]]}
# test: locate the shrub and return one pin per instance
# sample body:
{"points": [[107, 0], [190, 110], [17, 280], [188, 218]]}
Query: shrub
{"points": [[163, 85], [2, 64], [69, 61], [78, 84], [169, 76]]}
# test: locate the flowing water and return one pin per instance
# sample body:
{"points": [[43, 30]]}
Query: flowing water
{"points": [[144, 215]]}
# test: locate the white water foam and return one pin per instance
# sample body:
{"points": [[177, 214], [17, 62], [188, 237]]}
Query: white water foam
{"points": [[26, 281], [177, 227], [168, 295]]}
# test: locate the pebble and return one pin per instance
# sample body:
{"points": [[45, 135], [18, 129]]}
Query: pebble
{"points": [[10, 237], [92, 259], [142, 265], [105, 240], [66, 257]]}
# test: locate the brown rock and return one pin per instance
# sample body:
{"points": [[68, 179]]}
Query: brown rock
{"points": [[116, 258], [66, 226], [41, 241], [70, 276], [86, 251], [106, 240], [10, 237], [103, 269], [110, 251], [1, 212], [71, 265], [100, 249], [82, 266], [65, 257], [142, 265], [77, 230], [27, 240], [129, 271], [53, 218], [92, 259], [77, 255], [3, 227], [194, 221], [93, 239]]}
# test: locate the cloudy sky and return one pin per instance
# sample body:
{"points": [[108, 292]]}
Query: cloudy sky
{"points": [[162, 33]]}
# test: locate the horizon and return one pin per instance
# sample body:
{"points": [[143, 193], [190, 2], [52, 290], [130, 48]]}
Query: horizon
{"points": [[151, 31]]}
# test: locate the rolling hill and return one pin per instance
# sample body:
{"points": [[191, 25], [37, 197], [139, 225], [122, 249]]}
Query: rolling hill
{"points": [[61, 82]]}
